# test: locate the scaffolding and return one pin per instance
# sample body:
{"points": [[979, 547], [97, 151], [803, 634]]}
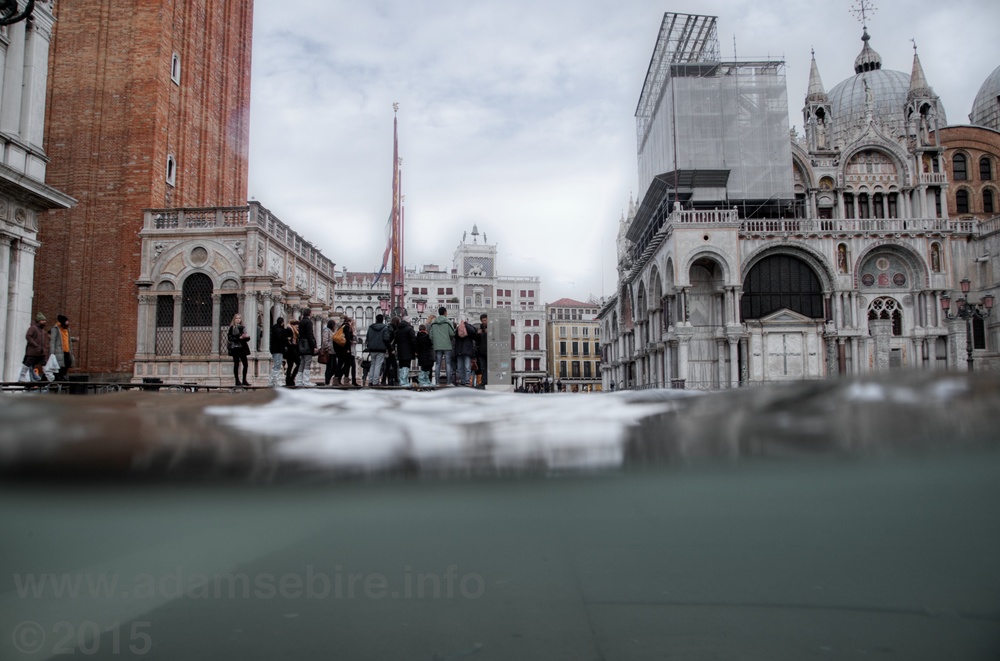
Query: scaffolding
{"points": [[697, 112]]}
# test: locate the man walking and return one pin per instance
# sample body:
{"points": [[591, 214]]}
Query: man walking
{"points": [[307, 347], [36, 350], [377, 342], [443, 337]]}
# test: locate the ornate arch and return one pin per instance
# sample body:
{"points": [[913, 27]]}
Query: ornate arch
{"points": [[186, 247], [801, 160], [711, 253], [917, 265], [889, 149], [819, 263]]}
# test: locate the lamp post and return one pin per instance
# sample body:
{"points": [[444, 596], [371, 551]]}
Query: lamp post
{"points": [[968, 312], [421, 304], [9, 13], [397, 300], [383, 302]]}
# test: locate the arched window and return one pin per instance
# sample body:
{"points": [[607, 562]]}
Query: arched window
{"points": [[196, 315], [887, 308], [164, 325], [988, 201], [959, 167], [513, 342], [535, 343], [962, 201], [985, 168], [527, 342], [781, 281]]}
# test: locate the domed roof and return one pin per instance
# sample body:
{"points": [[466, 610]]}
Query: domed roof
{"points": [[888, 99], [888, 91], [986, 107]]}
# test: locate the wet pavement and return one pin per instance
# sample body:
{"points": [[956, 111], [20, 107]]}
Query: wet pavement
{"points": [[835, 520]]}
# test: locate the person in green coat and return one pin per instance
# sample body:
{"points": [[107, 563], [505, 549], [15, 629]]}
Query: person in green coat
{"points": [[442, 334]]}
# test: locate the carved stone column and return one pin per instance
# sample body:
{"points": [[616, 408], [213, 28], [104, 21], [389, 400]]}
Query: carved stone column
{"points": [[144, 324], [881, 331], [178, 323]]}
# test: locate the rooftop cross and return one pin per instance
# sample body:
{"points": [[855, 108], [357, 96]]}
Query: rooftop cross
{"points": [[865, 8]]}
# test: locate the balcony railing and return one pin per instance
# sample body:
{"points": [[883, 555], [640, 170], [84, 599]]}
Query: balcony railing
{"points": [[170, 219], [933, 178], [850, 225], [253, 215]]}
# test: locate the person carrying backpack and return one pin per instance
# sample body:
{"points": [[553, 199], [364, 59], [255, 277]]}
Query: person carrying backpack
{"points": [[377, 342]]}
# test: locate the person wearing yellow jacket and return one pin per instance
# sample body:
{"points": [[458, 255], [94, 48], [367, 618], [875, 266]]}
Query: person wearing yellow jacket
{"points": [[60, 346]]}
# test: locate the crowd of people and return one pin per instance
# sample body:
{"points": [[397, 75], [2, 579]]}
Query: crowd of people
{"points": [[393, 353], [439, 352]]}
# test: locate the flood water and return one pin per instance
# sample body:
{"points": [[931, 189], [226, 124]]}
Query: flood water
{"points": [[830, 520]]}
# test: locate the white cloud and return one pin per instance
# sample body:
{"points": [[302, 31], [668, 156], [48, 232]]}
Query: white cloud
{"points": [[518, 115]]}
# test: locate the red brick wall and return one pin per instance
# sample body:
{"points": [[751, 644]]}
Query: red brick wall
{"points": [[974, 142], [113, 115]]}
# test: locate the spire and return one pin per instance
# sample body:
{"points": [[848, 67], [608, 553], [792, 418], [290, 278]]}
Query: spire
{"points": [[631, 205], [918, 82], [868, 59], [816, 91]]}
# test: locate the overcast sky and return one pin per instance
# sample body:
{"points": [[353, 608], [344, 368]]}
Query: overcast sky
{"points": [[518, 115]]}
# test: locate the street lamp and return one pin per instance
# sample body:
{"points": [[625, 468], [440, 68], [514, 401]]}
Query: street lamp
{"points": [[397, 301], [968, 312], [383, 302], [9, 13], [421, 304]]}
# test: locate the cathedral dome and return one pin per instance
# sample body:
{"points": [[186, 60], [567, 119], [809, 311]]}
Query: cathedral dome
{"points": [[888, 89], [848, 100], [986, 107]]}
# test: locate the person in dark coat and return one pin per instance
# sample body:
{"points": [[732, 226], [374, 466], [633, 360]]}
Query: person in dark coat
{"points": [[344, 357], [378, 340], [425, 355], [307, 348], [406, 340], [465, 349], [292, 358], [277, 345], [482, 350], [239, 348]]}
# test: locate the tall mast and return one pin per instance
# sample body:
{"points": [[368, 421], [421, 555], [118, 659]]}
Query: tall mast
{"points": [[397, 219]]}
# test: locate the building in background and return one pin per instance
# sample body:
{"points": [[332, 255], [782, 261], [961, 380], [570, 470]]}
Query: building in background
{"points": [[199, 267], [831, 253], [24, 193], [468, 288], [149, 109], [574, 340]]}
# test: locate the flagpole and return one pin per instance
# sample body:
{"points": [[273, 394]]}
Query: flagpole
{"points": [[396, 229]]}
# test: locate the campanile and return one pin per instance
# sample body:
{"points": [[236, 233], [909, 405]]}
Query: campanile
{"points": [[149, 104]]}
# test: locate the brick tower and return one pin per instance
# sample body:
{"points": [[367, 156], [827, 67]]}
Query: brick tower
{"points": [[149, 105]]}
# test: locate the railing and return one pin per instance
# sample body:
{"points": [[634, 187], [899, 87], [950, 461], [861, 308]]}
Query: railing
{"points": [[698, 217], [863, 225], [990, 226], [933, 178], [223, 217], [168, 219]]}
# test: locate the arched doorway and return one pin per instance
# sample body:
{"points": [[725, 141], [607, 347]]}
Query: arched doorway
{"points": [[783, 307]]}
